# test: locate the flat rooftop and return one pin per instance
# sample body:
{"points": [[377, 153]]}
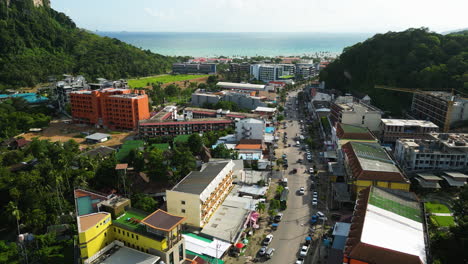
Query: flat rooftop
{"points": [[131, 219], [197, 181], [125, 255], [373, 157], [408, 122], [349, 107], [85, 222], [230, 85], [97, 136], [162, 220]]}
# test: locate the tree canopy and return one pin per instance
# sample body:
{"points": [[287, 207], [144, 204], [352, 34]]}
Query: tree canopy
{"points": [[415, 58]]}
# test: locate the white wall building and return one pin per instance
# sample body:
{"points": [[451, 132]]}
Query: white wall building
{"points": [[356, 113], [250, 128], [441, 152], [198, 195]]}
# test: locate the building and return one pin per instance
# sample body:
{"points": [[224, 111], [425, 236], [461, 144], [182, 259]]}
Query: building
{"points": [[441, 108], [243, 86], [250, 149], [97, 138], [243, 100], [105, 222], [442, 151], [368, 164], [193, 120], [250, 128], [186, 68], [61, 90], [239, 71], [343, 133], [198, 195], [393, 129], [355, 113], [388, 226], [272, 72], [112, 108]]}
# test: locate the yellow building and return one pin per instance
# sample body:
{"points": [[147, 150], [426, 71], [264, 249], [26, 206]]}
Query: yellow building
{"points": [[368, 164], [145, 236], [199, 194]]}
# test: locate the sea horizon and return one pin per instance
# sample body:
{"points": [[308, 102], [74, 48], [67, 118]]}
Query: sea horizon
{"points": [[240, 44]]}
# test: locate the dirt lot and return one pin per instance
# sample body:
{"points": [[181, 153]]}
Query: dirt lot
{"points": [[182, 83], [58, 130]]}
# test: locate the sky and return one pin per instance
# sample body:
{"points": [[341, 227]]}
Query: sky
{"points": [[337, 16]]}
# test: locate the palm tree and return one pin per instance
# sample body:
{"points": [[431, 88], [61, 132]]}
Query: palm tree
{"points": [[13, 210], [260, 207]]}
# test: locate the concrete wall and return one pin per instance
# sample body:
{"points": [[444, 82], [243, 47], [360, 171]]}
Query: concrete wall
{"points": [[256, 130], [245, 102], [192, 206], [200, 99]]}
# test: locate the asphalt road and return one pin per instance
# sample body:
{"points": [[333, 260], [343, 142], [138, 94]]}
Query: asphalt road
{"points": [[294, 226]]}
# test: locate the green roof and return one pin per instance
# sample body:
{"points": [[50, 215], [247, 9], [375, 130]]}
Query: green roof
{"points": [[370, 151], [125, 219], [127, 147], [198, 237], [353, 129], [405, 207], [162, 146], [182, 138], [206, 258]]}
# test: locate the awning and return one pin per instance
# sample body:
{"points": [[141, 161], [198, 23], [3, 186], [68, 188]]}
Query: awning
{"points": [[308, 238], [240, 245]]}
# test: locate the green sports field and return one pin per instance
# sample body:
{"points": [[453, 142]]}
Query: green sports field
{"points": [[142, 82], [442, 220], [436, 207]]}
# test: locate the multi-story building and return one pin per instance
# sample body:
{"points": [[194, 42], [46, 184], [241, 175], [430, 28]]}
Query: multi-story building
{"points": [[193, 120], [271, 72], [110, 108], [61, 90], [344, 133], [239, 71], [368, 164], [243, 100], [198, 195], [442, 108], [388, 226], [250, 128], [393, 129], [107, 223], [442, 151], [184, 68], [246, 87], [355, 113]]}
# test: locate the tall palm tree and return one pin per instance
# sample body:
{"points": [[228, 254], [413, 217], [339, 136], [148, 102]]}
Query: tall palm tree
{"points": [[260, 207]]}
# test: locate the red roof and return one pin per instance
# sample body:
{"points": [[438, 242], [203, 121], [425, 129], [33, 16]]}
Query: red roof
{"points": [[186, 122], [249, 146]]}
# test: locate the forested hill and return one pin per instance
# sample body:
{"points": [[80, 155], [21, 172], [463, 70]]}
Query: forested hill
{"points": [[37, 41], [415, 58]]}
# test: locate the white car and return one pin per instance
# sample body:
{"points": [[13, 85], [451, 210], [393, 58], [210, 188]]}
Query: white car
{"points": [[314, 201], [267, 239], [301, 191], [315, 195], [299, 261], [311, 170], [304, 250]]}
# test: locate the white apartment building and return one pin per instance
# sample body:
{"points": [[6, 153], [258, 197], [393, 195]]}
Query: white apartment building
{"points": [[271, 72], [250, 128], [356, 113], [442, 151], [199, 194], [393, 129]]}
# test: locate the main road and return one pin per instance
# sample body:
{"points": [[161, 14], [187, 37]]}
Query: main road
{"points": [[294, 226]]}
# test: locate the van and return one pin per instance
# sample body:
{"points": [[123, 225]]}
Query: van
{"points": [[298, 144], [269, 253]]}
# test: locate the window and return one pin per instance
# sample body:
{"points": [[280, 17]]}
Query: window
{"points": [[132, 236], [181, 251], [118, 230], [136, 237], [183, 211], [171, 258], [128, 234], [114, 230], [105, 234], [182, 202]]}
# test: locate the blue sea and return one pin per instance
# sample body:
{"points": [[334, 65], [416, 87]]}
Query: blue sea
{"points": [[240, 44]]}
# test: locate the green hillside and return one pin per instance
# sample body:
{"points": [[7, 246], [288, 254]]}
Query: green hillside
{"points": [[36, 42], [415, 58]]}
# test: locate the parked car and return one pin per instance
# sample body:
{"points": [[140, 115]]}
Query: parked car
{"points": [[299, 261], [278, 217], [301, 191], [294, 171], [311, 170], [309, 157], [262, 251], [314, 201], [270, 252], [313, 219], [304, 250], [315, 195], [267, 239]]}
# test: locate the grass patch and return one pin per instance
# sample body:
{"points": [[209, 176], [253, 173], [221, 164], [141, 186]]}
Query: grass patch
{"points": [[437, 208], [130, 214], [442, 220], [142, 82]]}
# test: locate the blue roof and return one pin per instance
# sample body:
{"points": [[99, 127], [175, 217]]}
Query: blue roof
{"points": [[339, 242]]}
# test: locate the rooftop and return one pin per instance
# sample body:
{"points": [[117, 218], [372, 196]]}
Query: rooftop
{"points": [[249, 146], [131, 219], [265, 109], [162, 220], [373, 157], [197, 181], [98, 136], [452, 140], [90, 220], [102, 151], [230, 85], [456, 175], [408, 122], [125, 255], [391, 214], [353, 129]]}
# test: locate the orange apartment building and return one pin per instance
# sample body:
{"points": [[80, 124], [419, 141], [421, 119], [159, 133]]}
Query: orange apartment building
{"points": [[112, 108]]}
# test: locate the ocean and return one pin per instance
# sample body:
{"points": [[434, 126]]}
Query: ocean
{"points": [[240, 44]]}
